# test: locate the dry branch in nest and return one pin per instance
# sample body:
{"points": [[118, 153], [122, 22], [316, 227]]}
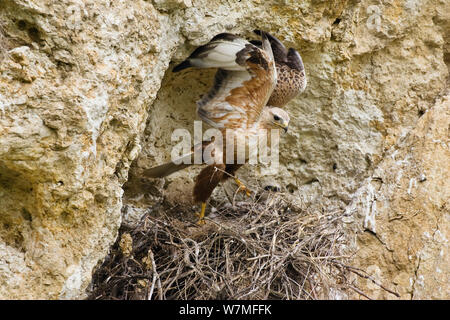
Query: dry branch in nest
{"points": [[260, 250]]}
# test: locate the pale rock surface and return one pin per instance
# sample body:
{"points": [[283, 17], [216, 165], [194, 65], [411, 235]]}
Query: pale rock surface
{"points": [[76, 80], [405, 207], [86, 87]]}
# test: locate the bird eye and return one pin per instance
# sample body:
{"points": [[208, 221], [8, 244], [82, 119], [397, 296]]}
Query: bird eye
{"points": [[276, 118]]}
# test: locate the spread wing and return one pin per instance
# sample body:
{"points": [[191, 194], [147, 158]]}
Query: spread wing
{"points": [[243, 84], [291, 79]]}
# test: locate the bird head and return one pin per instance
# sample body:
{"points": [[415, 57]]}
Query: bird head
{"points": [[275, 118]]}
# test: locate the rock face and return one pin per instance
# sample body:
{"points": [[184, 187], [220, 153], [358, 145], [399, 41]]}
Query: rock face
{"points": [[404, 204], [77, 78], [86, 88]]}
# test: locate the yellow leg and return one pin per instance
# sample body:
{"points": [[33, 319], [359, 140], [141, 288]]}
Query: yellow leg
{"points": [[201, 215], [242, 187]]}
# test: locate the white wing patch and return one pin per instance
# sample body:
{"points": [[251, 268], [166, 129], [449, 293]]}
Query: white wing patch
{"points": [[223, 55]]}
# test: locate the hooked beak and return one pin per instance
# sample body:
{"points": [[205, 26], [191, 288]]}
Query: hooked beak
{"points": [[282, 126]]}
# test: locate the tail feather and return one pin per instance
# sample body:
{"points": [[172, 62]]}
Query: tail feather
{"points": [[164, 170], [181, 163]]}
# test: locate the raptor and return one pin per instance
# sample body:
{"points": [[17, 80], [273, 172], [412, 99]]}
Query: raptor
{"points": [[245, 99]]}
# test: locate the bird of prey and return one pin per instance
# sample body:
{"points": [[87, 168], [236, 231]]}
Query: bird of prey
{"points": [[291, 76], [238, 101]]}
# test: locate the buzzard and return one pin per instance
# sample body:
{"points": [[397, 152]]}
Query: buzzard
{"points": [[291, 76], [241, 101]]}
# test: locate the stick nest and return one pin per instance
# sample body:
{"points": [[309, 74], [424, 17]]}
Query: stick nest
{"points": [[265, 249]]}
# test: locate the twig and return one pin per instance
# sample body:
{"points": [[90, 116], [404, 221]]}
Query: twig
{"points": [[250, 251], [365, 276], [156, 278], [359, 291]]}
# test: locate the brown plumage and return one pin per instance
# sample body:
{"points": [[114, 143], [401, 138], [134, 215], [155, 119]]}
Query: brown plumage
{"points": [[210, 176], [291, 76], [207, 180], [243, 85]]}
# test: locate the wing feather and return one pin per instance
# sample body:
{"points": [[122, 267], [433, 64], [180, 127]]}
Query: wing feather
{"points": [[220, 52], [291, 79], [240, 91], [279, 50]]}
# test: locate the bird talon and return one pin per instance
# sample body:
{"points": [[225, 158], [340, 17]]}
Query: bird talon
{"points": [[245, 189], [201, 215], [242, 187], [201, 222]]}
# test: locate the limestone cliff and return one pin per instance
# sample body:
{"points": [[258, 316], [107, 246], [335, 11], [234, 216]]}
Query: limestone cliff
{"points": [[86, 89]]}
